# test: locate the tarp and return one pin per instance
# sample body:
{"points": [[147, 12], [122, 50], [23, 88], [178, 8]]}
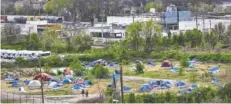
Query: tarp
{"points": [[44, 76], [52, 84], [77, 87], [151, 63], [27, 82], [194, 86], [66, 81], [213, 70], [79, 81], [145, 87], [9, 79], [117, 71], [86, 83], [215, 80], [15, 84], [126, 89], [153, 83], [180, 84], [174, 69], [166, 63], [68, 76], [117, 76]]}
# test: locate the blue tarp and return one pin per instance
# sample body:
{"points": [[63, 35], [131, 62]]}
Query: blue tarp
{"points": [[68, 76], [193, 86], [153, 83], [174, 69], [215, 80], [126, 89], [117, 71], [151, 63], [213, 70], [86, 83], [145, 87], [77, 87], [117, 76], [180, 84], [15, 84], [26, 82], [9, 78], [66, 81]]}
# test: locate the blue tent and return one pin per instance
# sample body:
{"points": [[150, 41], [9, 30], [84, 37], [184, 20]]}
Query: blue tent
{"points": [[9, 79], [68, 76], [165, 85], [26, 82], [77, 87], [117, 76], [174, 69], [145, 87], [15, 84], [159, 82], [126, 89], [213, 70], [194, 86], [153, 83], [215, 80], [151, 63], [86, 83], [180, 84], [186, 90], [117, 71], [66, 81], [53, 79]]}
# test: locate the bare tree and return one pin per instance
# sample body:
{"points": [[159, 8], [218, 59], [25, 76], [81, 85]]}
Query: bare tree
{"points": [[9, 33]]}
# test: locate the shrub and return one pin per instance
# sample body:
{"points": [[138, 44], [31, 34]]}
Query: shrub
{"points": [[139, 68], [77, 68], [181, 70], [100, 72], [21, 61], [184, 61]]}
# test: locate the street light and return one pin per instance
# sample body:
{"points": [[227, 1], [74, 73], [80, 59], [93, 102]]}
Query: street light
{"points": [[41, 80]]}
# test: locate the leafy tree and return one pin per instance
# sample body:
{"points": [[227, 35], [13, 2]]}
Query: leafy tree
{"points": [[219, 29], [34, 42], [130, 98], [77, 68], [47, 68], [18, 9], [9, 33], [157, 5], [181, 70], [82, 42], [100, 72], [228, 36], [193, 76], [21, 61], [139, 67], [225, 92], [109, 91], [184, 61]]}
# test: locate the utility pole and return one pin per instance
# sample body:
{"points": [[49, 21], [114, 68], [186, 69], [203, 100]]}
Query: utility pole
{"points": [[41, 79], [121, 83]]}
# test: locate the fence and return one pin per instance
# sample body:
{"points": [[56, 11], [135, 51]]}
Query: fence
{"points": [[9, 97]]}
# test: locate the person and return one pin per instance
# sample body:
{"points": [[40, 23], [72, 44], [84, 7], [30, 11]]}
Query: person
{"points": [[86, 94], [82, 92]]}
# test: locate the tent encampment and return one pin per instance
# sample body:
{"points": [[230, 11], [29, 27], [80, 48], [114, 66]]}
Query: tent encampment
{"points": [[145, 87], [166, 63]]}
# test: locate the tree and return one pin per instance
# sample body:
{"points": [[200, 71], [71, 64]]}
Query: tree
{"points": [[228, 36], [77, 68], [47, 68], [157, 5], [184, 61], [130, 98], [21, 61], [139, 67], [34, 42], [18, 9], [181, 70], [219, 29], [81, 42], [9, 33], [225, 92], [100, 72], [193, 76]]}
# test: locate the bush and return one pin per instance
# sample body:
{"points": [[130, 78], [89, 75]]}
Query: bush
{"points": [[139, 68], [181, 70], [100, 72], [184, 61], [77, 68], [21, 61]]}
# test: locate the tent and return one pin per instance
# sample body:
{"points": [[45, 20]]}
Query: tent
{"points": [[26, 82], [194, 86], [15, 84], [66, 81], [68, 76], [174, 69], [9, 79], [77, 87], [151, 63], [34, 84], [126, 89], [145, 87], [180, 84], [117, 76], [185, 90], [86, 83], [21, 89], [191, 67], [166, 63], [117, 71], [215, 80], [79, 81], [52, 84], [213, 70], [153, 83], [44, 76]]}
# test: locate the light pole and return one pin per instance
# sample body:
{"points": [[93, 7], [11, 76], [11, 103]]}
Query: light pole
{"points": [[41, 79]]}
